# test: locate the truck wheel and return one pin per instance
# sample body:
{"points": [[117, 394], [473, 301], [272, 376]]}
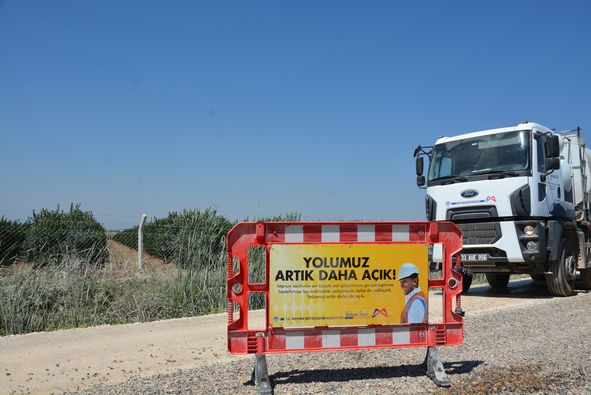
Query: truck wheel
{"points": [[586, 278], [498, 280], [538, 277], [466, 280], [564, 270]]}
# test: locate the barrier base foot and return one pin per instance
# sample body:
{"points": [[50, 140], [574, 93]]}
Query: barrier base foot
{"points": [[434, 368], [260, 375]]}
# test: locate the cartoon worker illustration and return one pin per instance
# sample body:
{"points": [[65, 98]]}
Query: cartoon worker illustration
{"points": [[415, 310]]}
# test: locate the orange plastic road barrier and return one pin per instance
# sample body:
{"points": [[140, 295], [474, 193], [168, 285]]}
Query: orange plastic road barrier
{"points": [[339, 286]]}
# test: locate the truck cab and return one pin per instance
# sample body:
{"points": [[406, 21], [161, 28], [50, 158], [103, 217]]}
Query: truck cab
{"points": [[516, 197]]}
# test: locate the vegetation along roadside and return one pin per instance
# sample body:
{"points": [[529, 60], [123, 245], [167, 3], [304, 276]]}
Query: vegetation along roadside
{"points": [[62, 269]]}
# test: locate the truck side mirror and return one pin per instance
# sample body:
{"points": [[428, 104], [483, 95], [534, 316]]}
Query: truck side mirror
{"points": [[420, 181], [552, 164], [419, 165], [553, 147]]}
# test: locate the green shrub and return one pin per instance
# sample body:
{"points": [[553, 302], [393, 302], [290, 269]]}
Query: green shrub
{"points": [[12, 237], [199, 239], [287, 217], [127, 237], [192, 238], [55, 234]]}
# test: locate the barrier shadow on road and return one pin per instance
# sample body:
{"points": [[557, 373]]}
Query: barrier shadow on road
{"points": [[518, 289], [365, 373], [462, 367]]}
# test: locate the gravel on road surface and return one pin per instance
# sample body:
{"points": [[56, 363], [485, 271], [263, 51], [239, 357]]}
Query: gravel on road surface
{"points": [[527, 348], [47, 362]]}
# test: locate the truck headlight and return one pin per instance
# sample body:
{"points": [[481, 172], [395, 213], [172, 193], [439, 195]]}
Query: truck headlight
{"points": [[529, 230], [532, 245]]}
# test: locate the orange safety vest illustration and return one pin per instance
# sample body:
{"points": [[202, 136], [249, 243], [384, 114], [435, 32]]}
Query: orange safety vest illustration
{"points": [[420, 296]]}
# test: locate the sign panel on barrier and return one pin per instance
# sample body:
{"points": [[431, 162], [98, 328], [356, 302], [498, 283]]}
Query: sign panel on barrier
{"points": [[334, 285]]}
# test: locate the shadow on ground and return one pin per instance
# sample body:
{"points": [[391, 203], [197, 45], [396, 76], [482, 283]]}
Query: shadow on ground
{"points": [[366, 373], [521, 289]]}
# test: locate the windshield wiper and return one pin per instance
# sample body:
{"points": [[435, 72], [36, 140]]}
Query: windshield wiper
{"points": [[485, 170], [496, 173], [502, 174], [450, 179]]}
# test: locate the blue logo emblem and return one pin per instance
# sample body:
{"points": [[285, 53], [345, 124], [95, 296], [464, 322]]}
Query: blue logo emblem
{"points": [[469, 193]]}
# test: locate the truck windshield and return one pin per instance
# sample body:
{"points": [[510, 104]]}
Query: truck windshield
{"points": [[507, 152]]}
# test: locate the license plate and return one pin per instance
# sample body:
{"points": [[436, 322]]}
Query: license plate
{"points": [[474, 257]]}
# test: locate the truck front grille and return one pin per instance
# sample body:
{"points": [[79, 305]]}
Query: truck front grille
{"points": [[480, 232]]}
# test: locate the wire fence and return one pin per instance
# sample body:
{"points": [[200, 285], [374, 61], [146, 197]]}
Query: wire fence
{"points": [[191, 239], [163, 244], [63, 269], [65, 276]]}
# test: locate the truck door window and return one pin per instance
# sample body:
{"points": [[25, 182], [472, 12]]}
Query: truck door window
{"points": [[442, 167], [541, 151]]}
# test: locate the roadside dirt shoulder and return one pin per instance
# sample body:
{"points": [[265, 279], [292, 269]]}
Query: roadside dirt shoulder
{"points": [[78, 358]]}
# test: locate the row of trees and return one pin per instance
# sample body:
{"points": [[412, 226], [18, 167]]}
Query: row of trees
{"points": [[190, 239], [50, 235]]}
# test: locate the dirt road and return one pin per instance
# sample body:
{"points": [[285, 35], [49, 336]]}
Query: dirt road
{"points": [[79, 358]]}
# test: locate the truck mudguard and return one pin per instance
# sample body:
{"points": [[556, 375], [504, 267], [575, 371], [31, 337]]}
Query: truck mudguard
{"points": [[557, 230], [563, 210], [554, 235]]}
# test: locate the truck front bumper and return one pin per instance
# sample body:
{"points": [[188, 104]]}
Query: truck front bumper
{"points": [[514, 252]]}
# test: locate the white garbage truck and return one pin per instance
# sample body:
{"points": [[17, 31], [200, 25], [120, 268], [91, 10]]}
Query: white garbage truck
{"points": [[520, 195]]}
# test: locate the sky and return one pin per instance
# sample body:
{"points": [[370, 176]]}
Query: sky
{"points": [[258, 108]]}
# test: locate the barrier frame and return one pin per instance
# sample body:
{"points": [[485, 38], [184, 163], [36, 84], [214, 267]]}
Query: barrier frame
{"points": [[244, 235]]}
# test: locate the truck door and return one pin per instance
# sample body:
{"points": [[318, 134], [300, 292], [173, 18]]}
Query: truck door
{"points": [[549, 190]]}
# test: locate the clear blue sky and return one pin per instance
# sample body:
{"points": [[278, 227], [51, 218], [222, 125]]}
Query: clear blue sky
{"points": [[261, 108]]}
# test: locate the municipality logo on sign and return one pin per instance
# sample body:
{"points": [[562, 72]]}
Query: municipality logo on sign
{"points": [[377, 312]]}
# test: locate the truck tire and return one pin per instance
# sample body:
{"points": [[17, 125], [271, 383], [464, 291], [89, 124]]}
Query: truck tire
{"points": [[538, 277], [561, 282], [466, 281], [498, 280], [586, 278], [466, 277]]}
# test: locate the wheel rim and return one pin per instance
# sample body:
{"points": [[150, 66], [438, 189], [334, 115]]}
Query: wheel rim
{"points": [[570, 267]]}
